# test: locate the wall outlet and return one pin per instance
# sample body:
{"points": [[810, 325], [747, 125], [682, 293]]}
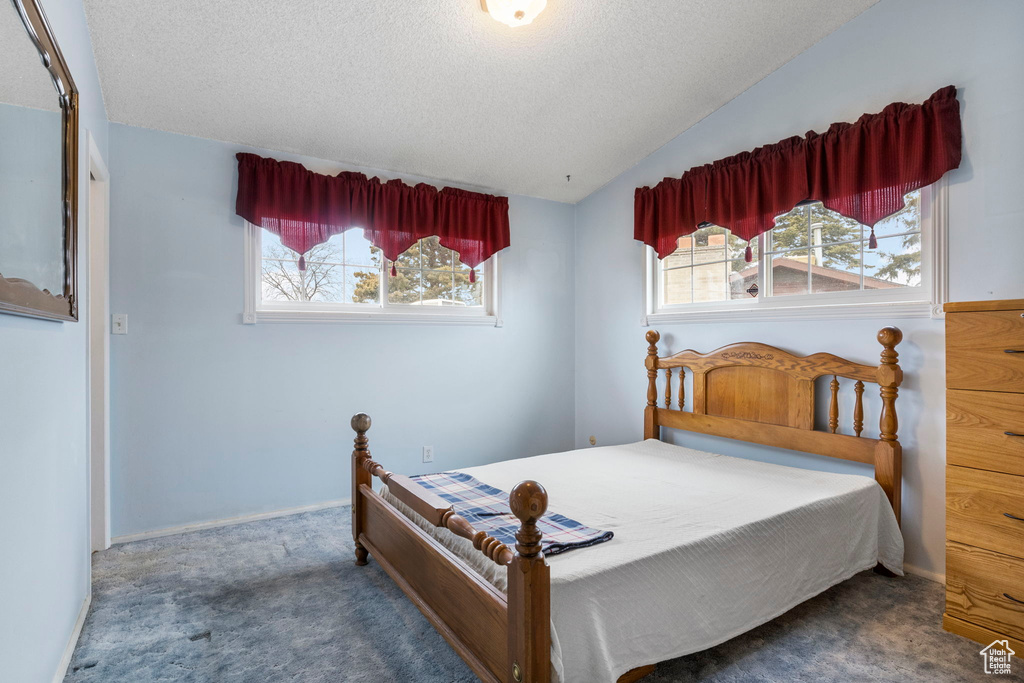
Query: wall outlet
{"points": [[593, 441], [428, 454], [119, 323]]}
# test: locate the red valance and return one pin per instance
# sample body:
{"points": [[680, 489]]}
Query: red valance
{"points": [[861, 170], [306, 209]]}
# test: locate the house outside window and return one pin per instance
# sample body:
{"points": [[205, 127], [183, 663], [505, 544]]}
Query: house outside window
{"points": [[814, 263]]}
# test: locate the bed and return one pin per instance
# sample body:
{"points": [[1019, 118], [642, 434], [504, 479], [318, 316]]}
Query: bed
{"points": [[706, 546]]}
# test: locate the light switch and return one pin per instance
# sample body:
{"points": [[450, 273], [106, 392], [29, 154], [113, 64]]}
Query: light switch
{"points": [[119, 323]]}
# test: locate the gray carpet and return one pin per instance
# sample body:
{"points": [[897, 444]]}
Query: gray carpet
{"points": [[280, 600]]}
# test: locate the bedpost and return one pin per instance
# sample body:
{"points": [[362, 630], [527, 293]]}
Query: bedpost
{"points": [[651, 430], [529, 591], [889, 452], [360, 475]]}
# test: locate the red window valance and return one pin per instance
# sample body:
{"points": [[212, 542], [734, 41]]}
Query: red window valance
{"points": [[306, 209], [861, 170]]}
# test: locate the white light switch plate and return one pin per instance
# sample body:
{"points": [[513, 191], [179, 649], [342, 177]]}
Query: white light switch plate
{"points": [[119, 323], [428, 454]]}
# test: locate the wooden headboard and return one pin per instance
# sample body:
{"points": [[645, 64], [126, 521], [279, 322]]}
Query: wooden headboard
{"points": [[760, 393]]}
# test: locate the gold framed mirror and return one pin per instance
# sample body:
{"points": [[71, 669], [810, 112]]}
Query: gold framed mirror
{"points": [[38, 169]]}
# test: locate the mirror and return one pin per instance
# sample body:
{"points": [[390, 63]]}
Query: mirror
{"points": [[38, 168]]}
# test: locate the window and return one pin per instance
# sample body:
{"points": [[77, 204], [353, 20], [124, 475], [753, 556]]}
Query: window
{"points": [[814, 262], [347, 278]]}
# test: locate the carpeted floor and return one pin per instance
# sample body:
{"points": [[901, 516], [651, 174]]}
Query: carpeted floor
{"points": [[280, 600]]}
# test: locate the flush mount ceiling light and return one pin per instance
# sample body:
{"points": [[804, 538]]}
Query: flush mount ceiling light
{"points": [[514, 12]]}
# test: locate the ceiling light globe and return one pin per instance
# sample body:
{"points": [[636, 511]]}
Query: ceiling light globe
{"points": [[514, 12]]}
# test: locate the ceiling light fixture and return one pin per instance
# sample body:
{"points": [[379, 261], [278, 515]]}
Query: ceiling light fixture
{"points": [[514, 12]]}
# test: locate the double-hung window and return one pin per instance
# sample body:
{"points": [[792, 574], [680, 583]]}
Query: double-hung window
{"points": [[814, 263], [348, 279]]}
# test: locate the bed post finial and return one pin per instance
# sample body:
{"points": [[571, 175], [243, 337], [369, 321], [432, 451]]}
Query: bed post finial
{"points": [[360, 475], [651, 430], [529, 591], [889, 452], [529, 502]]}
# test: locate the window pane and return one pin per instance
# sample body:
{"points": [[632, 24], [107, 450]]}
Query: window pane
{"points": [[836, 268], [709, 244], [676, 283], [896, 262], [410, 258], [278, 280], [710, 281], [789, 273], [907, 219], [323, 281], [437, 288], [435, 257], [405, 288], [469, 293], [711, 236], [738, 248], [358, 251], [283, 281], [790, 230], [742, 276], [828, 227], [362, 285], [331, 251]]}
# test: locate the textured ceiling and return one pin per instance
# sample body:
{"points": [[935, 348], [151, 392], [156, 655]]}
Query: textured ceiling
{"points": [[439, 89], [24, 80]]}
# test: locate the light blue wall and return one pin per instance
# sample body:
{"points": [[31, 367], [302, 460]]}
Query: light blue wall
{"points": [[213, 419], [44, 534], [897, 50]]}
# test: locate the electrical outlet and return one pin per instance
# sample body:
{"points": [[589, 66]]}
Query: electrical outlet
{"points": [[428, 454], [593, 440], [119, 323]]}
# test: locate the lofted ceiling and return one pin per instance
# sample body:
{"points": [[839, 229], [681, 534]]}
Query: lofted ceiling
{"points": [[437, 88]]}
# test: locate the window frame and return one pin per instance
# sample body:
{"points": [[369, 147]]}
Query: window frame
{"points": [[923, 302], [258, 311]]}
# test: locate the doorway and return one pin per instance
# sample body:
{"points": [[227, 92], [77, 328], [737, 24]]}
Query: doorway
{"points": [[99, 349]]}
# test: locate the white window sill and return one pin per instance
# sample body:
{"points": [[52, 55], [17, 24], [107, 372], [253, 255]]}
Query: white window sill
{"points": [[368, 317], [898, 309]]}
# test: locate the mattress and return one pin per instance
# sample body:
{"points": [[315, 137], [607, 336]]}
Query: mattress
{"points": [[706, 547]]}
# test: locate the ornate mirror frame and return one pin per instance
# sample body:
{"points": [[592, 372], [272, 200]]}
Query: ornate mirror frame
{"points": [[18, 296]]}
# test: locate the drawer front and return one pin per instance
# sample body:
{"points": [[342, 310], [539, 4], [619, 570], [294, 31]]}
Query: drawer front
{"points": [[977, 507], [976, 350], [978, 582], [977, 423]]}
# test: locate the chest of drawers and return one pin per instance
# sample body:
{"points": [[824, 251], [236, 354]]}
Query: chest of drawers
{"points": [[985, 471]]}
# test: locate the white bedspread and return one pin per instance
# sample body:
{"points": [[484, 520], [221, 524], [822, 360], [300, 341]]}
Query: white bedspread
{"points": [[706, 547]]}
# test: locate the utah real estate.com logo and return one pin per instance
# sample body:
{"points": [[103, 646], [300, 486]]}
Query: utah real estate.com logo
{"points": [[997, 657]]}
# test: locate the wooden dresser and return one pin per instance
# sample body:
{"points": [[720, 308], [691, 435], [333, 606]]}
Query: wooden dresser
{"points": [[985, 471]]}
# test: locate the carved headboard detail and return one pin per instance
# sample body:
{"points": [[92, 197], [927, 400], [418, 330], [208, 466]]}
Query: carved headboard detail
{"points": [[763, 394]]}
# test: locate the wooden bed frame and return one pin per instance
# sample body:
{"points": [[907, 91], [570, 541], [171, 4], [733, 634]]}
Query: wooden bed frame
{"points": [[748, 391]]}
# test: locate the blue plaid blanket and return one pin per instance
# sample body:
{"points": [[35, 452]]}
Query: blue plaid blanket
{"points": [[486, 508]]}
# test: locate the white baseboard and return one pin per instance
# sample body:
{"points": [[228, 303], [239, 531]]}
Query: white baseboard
{"points": [[924, 573], [186, 528], [69, 649]]}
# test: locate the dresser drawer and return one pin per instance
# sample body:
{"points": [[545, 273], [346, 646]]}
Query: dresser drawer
{"points": [[976, 350], [977, 505], [977, 585], [977, 423]]}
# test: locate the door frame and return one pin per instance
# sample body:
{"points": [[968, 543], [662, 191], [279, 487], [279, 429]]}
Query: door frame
{"points": [[98, 346]]}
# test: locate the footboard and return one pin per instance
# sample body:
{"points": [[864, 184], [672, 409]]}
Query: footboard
{"points": [[504, 639]]}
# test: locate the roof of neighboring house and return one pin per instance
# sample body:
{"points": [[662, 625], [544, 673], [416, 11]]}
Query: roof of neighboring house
{"points": [[821, 271]]}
